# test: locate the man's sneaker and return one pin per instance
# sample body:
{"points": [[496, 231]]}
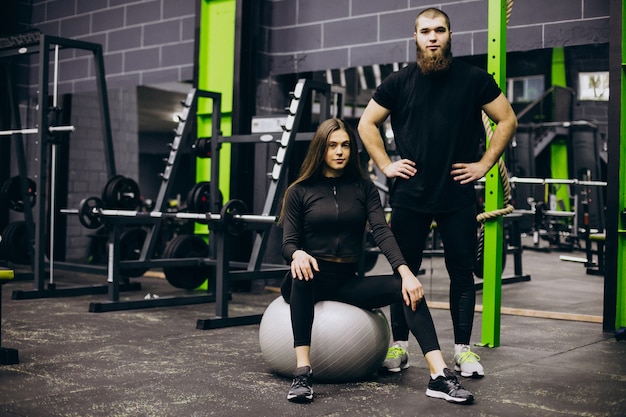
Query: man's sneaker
{"points": [[466, 362], [448, 388], [301, 390], [397, 359]]}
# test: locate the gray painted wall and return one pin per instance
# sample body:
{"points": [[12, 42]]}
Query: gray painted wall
{"points": [[313, 35]]}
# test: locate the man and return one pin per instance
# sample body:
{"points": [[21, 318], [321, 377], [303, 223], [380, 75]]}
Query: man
{"points": [[435, 106]]}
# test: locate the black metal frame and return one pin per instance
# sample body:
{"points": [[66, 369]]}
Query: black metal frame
{"points": [[37, 223]]}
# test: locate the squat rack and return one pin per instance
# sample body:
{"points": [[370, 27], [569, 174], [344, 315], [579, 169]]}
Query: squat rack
{"points": [[46, 132]]}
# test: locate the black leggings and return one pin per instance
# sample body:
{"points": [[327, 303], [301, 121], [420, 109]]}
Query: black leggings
{"points": [[458, 234], [339, 282]]}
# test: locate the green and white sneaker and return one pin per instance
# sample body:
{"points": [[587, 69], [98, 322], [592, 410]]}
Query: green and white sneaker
{"points": [[466, 362], [397, 358]]}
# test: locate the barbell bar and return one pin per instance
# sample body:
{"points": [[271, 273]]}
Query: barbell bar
{"points": [[91, 211], [539, 181], [34, 130]]}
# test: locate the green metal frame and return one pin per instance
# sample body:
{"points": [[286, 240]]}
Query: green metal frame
{"points": [[215, 73], [620, 312], [559, 167], [494, 194], [216, 62]]}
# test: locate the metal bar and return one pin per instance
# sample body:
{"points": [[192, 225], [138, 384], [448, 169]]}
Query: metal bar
{"points": [[42, 175], [250, 218], [34, 130]]}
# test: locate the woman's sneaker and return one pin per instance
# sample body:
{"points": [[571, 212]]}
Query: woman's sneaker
{"points": [[301, 390], [447, 387], [397, 358], [466, 362]]}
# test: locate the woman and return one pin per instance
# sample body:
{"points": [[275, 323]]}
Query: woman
{"points": [[324, 215]]}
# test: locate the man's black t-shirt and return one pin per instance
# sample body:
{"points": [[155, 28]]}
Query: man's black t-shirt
{"points": [[436, 120]]}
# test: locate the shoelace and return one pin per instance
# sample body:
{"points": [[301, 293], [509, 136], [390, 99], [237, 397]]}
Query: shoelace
{"points": [[394, 352], [300, 381], [468, 356]]}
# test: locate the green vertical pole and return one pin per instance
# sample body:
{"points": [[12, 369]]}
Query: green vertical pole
{"points": [[215, 73], [620, 308], [494, 194], [216, 62], [558, 148]]}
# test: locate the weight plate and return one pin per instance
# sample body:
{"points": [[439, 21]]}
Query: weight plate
{"points": [[107, 192], [131, 243], [121, 193], [12, 193], [186, 246], [88, 212], [14, 245], [232, 225]]}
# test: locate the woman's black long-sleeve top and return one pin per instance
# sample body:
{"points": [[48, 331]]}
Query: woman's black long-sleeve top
{"points": [[326, 217]]}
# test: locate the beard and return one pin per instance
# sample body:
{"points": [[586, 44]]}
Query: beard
{"points": [[440, 61]]}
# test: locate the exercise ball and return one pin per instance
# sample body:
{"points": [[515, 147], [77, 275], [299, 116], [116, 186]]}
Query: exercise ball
{"points": [[348, 343]]}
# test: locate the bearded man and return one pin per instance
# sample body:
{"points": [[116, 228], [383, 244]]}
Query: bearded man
{"points": [[435, 106]]}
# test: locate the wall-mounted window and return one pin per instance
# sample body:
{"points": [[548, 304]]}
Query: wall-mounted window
{"points": [[524, 89], [593, 86]]}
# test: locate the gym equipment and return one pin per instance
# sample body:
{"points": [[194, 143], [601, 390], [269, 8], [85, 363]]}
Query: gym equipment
{"points": [[14, 245], [121, 193], [11, 192], [199, 198], [92, 215], [131, 242], [8, 356], [348, 343], [40, 230], [186, 246]]}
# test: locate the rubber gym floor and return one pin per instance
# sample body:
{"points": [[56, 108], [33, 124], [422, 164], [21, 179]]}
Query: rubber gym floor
{"points": [[553, 358]]}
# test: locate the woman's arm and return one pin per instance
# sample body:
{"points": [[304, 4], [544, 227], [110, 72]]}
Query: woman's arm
{"points": [[302, 264]]}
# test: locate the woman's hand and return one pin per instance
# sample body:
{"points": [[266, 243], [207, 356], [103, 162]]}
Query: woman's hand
{"points": [[412, 289], [303, 265]]}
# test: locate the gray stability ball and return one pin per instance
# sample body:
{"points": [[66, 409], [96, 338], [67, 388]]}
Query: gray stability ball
{"points": [[348, 343]]}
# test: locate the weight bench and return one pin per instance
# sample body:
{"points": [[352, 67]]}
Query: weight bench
{"points": [[8, 356]]}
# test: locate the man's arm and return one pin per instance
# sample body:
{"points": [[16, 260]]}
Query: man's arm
{"points": [[369, 130], [500, 111]]}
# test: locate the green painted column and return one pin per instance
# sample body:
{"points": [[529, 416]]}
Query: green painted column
{"points": [[216, 63], [559, 167], [492, 275], [620, 310]]}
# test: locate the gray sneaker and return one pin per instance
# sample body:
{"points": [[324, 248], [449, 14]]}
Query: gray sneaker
{"points": [[301, 390], [466, 362], [397, 359]]}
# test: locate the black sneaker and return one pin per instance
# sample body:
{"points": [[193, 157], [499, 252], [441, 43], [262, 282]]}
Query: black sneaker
{"points": [[448, 388], [301, 390]]}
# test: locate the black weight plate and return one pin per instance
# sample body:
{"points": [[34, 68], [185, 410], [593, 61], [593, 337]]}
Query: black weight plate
{"points": [[12, 193], [125, 194], [131, 243], [107, 192], [15, 244], [87, 212], [232, 225], [190, 199], [186, 246]]}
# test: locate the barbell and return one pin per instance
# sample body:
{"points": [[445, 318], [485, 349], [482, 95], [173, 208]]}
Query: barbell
{"points": [[34, 130], [92, 213]]}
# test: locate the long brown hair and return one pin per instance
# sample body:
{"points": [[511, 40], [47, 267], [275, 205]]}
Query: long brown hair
{"points": [[313, 164]]}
